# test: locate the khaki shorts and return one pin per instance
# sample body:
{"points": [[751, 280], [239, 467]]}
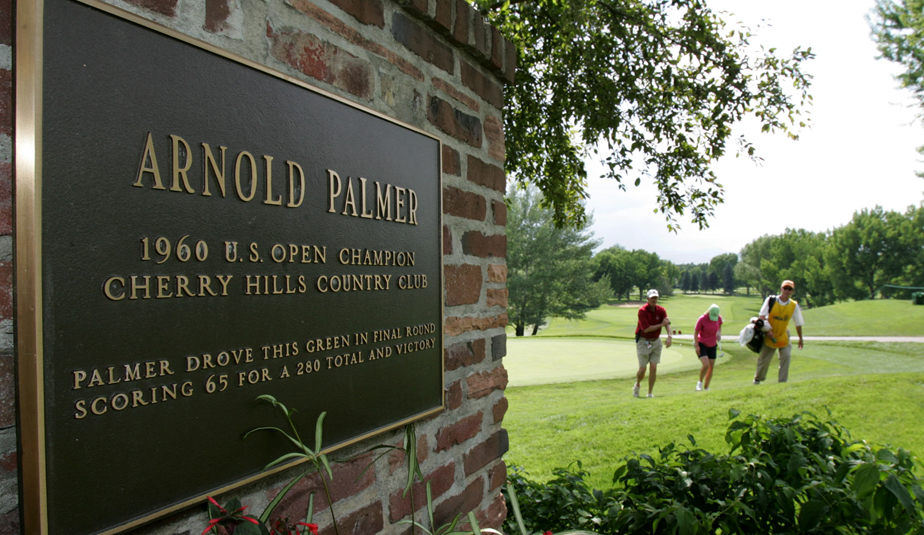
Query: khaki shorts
{"points": [[648, 351]]}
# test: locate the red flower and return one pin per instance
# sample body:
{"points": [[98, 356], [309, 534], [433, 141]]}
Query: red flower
{"points": [[212, 523], [547, 533], [313, 528]]}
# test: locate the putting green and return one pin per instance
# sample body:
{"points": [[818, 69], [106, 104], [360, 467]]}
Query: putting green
{"points": [[536, 361]]}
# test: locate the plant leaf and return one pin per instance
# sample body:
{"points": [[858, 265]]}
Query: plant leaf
{"points": [[904, 497], [317, 434], [811, 514], [865, 479], [264, 517]]}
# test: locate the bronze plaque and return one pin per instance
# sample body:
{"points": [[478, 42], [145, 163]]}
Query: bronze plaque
{"points": [[212, 231]]}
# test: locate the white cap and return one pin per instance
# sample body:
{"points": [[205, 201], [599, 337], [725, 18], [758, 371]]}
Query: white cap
{"points": [[652, 293]]}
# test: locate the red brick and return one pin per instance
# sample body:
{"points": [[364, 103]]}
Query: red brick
{"points": [[456, 325], [496, 297], [497, 273], [417, 7], [484, 383], [442, 21], [423, 43], [485, 174], [322, 61], [441, 480], [497, 49], [6, 290], [477, 244], [452, 163], [7, 393], [485, 453], [447, 240], [510, 65], [164, 7], [494, 134], [463, 284], [6, 102], [366, 521], [461, 203], [498, 476], [454, 396], [350, 34], [499, 410], [217, 13], [343, 485], [6, 199], [460, 504], [465, 354], [464, 127], [500, 213], [9, 523], [9, 462], [451, 90], [365, 11], [481, 35], [6, 22], [457, 433], [464, 14], [482, 85], [495, 515]]}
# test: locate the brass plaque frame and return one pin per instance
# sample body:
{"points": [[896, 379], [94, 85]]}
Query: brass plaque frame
{"points": [[31, 308]]}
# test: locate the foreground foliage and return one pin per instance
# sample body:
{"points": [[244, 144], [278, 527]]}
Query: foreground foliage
{"points": [[782, 475]]}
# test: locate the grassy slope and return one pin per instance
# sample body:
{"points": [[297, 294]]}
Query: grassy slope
{"points": [[876, 390], [883, 317]]}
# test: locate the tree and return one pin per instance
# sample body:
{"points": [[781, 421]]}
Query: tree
{"points": [[694, 281], [712, 281], [685, 281], [647, 271], [868, 253], [652, 82], [898, 29], [549, 269], [728, 278]]}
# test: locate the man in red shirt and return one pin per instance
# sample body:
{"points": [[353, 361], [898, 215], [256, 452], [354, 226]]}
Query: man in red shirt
{"points": [[651, 318]]}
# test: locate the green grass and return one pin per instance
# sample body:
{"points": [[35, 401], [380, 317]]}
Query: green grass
{"points": [[880, 317], [599, 422]]}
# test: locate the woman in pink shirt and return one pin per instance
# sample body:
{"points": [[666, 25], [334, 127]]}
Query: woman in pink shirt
{"points": [[706, 336]]}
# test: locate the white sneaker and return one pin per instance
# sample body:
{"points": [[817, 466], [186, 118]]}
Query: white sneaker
{"points": [[699, 385], [635, 390], [706, 389], [650, 395], [756, 382]]}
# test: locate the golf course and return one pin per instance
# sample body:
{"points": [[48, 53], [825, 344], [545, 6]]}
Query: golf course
{"points": [[570, 385]]}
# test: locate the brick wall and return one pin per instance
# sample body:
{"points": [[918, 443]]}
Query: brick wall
{"points": [[434, 64]]}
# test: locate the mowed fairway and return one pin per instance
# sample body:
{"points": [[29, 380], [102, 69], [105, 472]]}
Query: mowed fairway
{"points": [[578, 405], [537, 360]]}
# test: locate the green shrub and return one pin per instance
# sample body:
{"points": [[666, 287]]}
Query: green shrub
{"points": [[783, 475]]}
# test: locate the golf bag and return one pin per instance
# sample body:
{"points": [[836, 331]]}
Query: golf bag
{"points": [[756, 341], [757, 338]]}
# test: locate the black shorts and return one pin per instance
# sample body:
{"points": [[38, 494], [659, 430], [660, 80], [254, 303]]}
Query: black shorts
{"points": [[707, 351]]}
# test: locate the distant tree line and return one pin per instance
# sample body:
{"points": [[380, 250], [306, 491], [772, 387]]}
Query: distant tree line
{"points": [[553, 272], [875, 249]]}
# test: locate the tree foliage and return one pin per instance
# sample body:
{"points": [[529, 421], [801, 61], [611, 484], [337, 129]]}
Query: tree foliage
{"points": [[549, 268], [854, 261], [898, 29], [657, 84]]}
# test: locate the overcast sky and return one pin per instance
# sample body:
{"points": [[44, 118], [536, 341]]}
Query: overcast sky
{"points": [[859, 151]]}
